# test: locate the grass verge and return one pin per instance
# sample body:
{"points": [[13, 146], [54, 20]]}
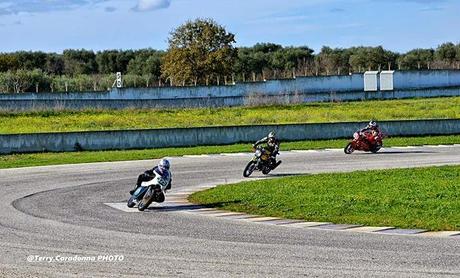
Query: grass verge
{"points": [[90, 120], [423, 198], [41, 159]]}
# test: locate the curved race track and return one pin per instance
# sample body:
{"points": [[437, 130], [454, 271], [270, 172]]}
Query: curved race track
{"points": [[60, 211]]}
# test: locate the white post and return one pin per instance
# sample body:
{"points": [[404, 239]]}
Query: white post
{"points": [[119, 80]]}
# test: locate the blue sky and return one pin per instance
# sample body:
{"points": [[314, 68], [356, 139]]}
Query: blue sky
{"points": [[399, 25]]}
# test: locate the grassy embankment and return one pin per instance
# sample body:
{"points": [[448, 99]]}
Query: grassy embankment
{"points": [[65, 121], [40, 159], [424, 198]]}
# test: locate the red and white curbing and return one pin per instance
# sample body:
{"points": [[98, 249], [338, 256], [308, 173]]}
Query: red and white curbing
{"points": [[179, 199]]}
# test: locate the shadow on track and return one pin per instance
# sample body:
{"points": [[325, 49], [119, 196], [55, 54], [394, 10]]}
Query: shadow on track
{"points": [[169, 208], [275, 176], [393, 152], [288, 175]]}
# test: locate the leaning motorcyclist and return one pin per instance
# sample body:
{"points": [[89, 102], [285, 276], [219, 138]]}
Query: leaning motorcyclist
{"points": [[272, 146], [162, 169], [372, 128]]}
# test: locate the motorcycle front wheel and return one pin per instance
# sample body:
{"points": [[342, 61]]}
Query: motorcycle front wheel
{"points": [[146, 201], [249, 169], [131, 202], [349, 148]]}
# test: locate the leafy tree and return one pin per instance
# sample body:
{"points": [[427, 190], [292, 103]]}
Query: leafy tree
{"points": [[19, 81], [417, 59], [8, 62], [31, 60], [79, 62], [54, 64], [333, 61], [458, 52], [267, 47], [146, 63], [446, 52], [107, 61], [374, 58], [199, 50]]}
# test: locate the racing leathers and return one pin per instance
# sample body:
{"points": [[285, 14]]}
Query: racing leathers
{"points": [[272, 145], [374, 130], [149, 175]]}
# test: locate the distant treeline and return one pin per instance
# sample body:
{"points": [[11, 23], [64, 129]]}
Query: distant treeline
{"points": [[83, 70]]}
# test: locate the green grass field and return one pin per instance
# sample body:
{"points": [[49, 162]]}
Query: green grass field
{"points": [[424, 198], [64, 121], [41, 159]]}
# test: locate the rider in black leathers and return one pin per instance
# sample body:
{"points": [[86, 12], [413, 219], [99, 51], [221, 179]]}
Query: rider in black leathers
{"points": [[162, 169]]}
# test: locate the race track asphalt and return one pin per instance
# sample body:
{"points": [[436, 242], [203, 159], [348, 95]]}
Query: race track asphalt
{"points": [[60, 212]]}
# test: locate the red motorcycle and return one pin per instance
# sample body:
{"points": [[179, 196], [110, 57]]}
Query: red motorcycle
{"points": [[368, 141]]}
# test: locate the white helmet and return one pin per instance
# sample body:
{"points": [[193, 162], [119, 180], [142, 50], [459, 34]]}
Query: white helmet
{"points": [[271, 135], [373, 124], [164, 164]]}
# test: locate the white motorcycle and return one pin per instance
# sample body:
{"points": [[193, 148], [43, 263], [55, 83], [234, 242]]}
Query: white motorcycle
{"points": [[150, 191]]}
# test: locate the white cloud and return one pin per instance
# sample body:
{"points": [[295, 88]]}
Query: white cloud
{"points": [[8, 7], [150, 5]]}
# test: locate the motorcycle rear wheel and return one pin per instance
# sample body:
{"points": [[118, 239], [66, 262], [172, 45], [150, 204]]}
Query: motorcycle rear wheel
{"points": [[375, 149], [349, 148], [249, 169]]}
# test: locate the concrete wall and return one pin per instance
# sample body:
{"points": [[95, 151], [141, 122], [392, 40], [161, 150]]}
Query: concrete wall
{"points": [[180, 137], [254, 99], [426, 79], [301, 89]]}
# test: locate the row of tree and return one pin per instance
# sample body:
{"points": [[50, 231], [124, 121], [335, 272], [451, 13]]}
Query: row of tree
{"points": [[39, 81], [202, 52], [264, 56], [75, 62]]}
